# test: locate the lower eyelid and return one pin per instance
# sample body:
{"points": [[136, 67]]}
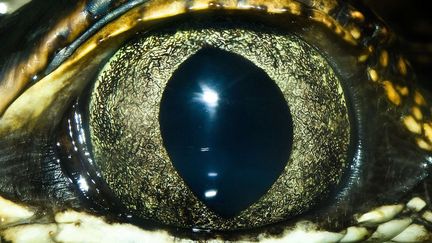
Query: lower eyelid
{"points": [[74, 226]]}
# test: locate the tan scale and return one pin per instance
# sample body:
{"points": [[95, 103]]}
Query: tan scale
{"points": [[402, 90], [424, 144], [355, 32], [357, 16], [384, 58], [419, 99], [373, 74], [364, 57], [294, 8], [279, 6], [366, 54], [402, 66], [391, 92], [412, 125], [427, 128], [417, 113]]}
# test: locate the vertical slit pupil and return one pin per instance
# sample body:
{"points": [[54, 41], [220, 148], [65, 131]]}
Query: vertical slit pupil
{"points": [[227, 129]]}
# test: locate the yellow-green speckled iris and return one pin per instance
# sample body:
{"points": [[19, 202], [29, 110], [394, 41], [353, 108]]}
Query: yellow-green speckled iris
{"points": [[129, 149]]}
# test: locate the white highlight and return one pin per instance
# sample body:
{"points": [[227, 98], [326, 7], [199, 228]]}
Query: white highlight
{"points": [[82, 183], [3, 8], [212, 174], [205, 149], [210, 193], [210, 97]]}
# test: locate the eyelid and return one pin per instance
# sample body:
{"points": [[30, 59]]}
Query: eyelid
{"points": [[23, 67], [15, 80]]}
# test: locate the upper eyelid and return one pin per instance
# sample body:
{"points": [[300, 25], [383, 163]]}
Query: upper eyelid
{"points": [[77, 25], [23, 67], [70, 32]]}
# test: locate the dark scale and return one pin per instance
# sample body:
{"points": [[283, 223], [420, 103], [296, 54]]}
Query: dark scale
{"points": [[227, 129]]}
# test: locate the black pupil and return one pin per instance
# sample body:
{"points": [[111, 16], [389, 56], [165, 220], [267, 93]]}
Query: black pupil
{"points": [[227, 129]]}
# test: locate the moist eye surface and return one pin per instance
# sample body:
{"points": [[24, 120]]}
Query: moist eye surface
{"points": [[208, 128]]}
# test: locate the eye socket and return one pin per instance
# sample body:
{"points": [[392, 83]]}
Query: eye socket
{"points": [[368, 91]]}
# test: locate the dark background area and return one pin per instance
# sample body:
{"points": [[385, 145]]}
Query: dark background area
{"points": [[412, 21]]}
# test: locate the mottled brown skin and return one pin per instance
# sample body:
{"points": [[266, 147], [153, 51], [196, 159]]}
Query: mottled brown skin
{"points": [[390, 74]]}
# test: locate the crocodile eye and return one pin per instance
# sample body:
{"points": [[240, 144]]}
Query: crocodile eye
{"points": [[212, 118], [241, 131]]}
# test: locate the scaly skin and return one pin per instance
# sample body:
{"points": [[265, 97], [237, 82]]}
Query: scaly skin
{"points": [[389, 200]]}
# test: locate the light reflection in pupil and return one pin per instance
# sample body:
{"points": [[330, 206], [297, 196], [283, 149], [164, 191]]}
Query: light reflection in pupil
{"points": [[210, 97], [210, 193], [227, 129]]}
